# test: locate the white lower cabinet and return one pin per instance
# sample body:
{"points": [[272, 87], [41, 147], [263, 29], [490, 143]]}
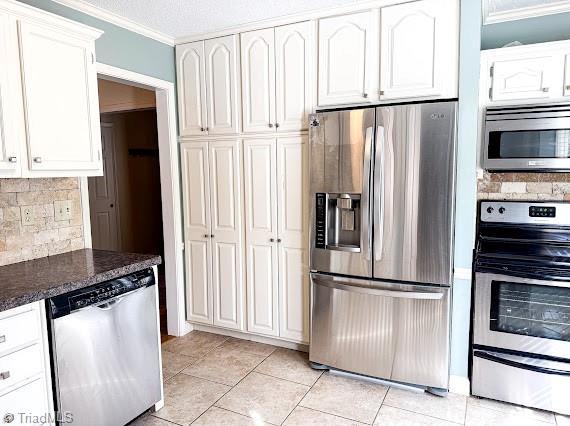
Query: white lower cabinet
{"points": [[213, 232], [275, 176], [25, 378]]}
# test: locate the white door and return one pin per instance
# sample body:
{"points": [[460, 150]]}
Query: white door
{"points": [[293, 213], [103, 196], [258, 80], [221, 85], [11, 126], [261, 234], [226, 233], [197, 241], [293, 72], [60, 95], [348, 58], [526, 78], [191, 88], [416, 57], [567, 75]]}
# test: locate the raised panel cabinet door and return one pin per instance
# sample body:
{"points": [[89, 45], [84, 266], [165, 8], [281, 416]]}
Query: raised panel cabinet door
{"points": [[261, 236], [258, 80], [522, 78], [293, 213], [293, 71], [59, 80], [226, 233], [348, 58], [191, 70], [418, 52], [12, 137], [221, 85], [197, 241]]}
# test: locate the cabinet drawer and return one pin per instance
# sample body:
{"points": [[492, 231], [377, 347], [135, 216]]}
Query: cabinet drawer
{"points": [[30, 399], [18, 330], [20, 365]]}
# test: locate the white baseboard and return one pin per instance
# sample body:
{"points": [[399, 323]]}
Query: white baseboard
{"points": [[459, 385], [253, 337]]}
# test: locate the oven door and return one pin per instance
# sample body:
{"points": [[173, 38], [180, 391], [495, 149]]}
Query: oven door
{"points": [[523, 315], [527, 143]]}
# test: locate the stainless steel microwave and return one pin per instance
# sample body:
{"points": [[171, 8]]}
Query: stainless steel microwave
{"points": [[527, 137]]}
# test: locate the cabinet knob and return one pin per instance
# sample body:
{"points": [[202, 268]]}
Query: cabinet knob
{"points": [[202, 129], [276, 124], [365, 95], [4, 375], [2, 338], [206, 235], [212, 235], [568, 87], [270, 125], [272, 240], [278, 240], [381, 92], [207, 129], [545, 89], [37, 159], [12, 159]]}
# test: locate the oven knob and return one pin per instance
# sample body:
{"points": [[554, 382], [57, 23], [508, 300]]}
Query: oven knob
{"points": [[490, 210], [501, 210]]}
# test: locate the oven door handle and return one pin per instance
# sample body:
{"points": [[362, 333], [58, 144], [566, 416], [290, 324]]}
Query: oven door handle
{"points": [[494, 357]]}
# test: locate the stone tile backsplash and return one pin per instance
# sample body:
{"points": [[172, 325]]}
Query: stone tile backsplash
{"points": [[524, 186], [43, 235]]}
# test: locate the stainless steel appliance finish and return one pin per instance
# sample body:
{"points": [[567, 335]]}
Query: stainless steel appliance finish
{"points": [[382, 184], [105, 351], [529, 137], [521, 319], [399, 332]]}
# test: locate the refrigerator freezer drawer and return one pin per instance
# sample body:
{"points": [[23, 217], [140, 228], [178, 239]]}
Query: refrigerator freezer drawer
{"points": [[531, 382], [397, 332]]}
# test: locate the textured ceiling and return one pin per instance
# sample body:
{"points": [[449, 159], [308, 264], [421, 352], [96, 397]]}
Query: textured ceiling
{"points": [[179, 18]]}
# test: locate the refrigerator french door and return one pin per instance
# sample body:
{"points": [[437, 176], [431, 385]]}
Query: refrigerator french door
{"points": [[382, 185]]}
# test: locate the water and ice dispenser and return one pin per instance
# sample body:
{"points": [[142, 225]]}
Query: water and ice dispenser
{"points": [[338, 222]]}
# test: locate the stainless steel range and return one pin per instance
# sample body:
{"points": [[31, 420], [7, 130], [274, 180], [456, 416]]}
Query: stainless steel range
{"points": [[382, 185], [521, 328]]}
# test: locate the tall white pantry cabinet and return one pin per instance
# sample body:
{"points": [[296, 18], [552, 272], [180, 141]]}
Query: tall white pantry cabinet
{"points": [[244, 100]]}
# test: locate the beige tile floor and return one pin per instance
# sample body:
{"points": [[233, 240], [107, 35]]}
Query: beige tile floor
{"points": [[215, 380]]}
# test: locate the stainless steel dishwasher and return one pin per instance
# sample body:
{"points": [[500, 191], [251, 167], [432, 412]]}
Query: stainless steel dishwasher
{"points": [[105, 350]]}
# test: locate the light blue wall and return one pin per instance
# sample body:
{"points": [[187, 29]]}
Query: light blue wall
{"points": [[527, 31], [120, 47], [466, 191]]}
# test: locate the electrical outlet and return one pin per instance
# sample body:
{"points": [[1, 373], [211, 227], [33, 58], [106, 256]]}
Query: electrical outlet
{"points": [[63, 210], [27, 215]]}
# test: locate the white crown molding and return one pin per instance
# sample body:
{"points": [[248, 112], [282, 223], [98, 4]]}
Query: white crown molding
{"points": [[118, 20], [524, 12]]}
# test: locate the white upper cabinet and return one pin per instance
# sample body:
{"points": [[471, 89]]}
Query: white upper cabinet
{"points": [[222, 85], [294, 75], [60, 94], [524, 78], [258, 80], [348, 58], [419, 50], [191, 88], [12, 136]]}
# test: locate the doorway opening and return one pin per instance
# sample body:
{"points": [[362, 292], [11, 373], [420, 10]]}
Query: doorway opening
{"points": [[125, 203]]}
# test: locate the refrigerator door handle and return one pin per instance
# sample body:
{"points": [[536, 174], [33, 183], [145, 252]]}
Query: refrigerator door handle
{"points": [[378, 291], [379, 194], [365, 206]]}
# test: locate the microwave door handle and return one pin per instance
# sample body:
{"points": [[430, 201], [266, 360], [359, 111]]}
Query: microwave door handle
{"points": [[495, 357], [379, 194], [365, 202]]}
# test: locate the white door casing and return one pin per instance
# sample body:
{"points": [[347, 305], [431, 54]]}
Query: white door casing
{"points": [[567, 75], [197, 241], [293, 71], [415, 54], [103, 196], [221, 57], [348, 58], [258, 80], [261, 234], [60, 86], [226, 233], [293, 211], [191, 70]]}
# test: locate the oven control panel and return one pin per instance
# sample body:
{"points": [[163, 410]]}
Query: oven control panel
{"points": [[525, 213]]}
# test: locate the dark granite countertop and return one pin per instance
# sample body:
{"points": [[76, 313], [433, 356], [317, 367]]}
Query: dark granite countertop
{"points": [[27, 282]]}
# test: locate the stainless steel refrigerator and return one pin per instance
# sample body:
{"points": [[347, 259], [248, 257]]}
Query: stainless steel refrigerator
{"points": [[381, 240]]}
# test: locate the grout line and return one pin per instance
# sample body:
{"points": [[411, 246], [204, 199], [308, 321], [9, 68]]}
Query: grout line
{"points": [[381, 404], [334, 415], [422, 414], [281, 378], [298, 402]]}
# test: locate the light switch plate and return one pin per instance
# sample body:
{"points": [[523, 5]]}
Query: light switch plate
{"points": [[27, 215], [63, 210]]}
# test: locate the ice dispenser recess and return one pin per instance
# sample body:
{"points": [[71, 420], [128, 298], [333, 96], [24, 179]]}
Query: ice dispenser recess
{"points": [[338, 222]]}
